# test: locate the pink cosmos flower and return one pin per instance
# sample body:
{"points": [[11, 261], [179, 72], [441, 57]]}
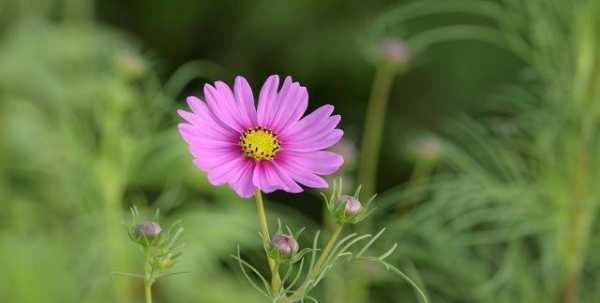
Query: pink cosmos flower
{"points": [[269, 147]]}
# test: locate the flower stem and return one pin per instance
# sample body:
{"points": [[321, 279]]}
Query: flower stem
{"points": [[264, 230], [325, 255], [148, 291], [148, 277]]}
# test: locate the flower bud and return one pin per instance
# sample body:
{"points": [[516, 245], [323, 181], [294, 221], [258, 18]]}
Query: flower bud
{"points": [[352, 205], [395, 51], [148, 229], [130, 64], [286, 245], [427, 148]]}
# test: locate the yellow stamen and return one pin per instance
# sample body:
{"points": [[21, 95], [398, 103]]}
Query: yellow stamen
{"points": [[259, 143]]}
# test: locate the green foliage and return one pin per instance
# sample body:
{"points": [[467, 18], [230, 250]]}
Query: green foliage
{"points": [[299, 281], [510, 217], [87, 130]]}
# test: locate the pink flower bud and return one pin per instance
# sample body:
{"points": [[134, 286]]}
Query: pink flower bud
{"points": [[352, 205], [395, 51], [286, 245], [148, 229]]}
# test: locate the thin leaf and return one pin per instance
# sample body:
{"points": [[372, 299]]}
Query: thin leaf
{"points": [[266, 292], [364, 249]]}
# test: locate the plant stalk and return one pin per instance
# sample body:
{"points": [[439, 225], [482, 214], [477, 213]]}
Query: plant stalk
{"points": [[316, 270], [373, 129], [148, 291], [326, 252], [577, 230], [264, 230], [369, 160], [148, 277]]}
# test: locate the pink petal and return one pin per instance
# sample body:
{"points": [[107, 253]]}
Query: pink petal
{"points": [[278, 179], [289, 184], [194, 134], [306, 123], [317, 143], [222, 105], [301, 104], [302, 175], [272, 178], [228, 171], [278, 106], [267, 100], [202, 117], [319, 162], [319, 128], [260, 179], [212, 144], [244, 97], [208, 159], [194, 103], [243, 186], [293, 105]]}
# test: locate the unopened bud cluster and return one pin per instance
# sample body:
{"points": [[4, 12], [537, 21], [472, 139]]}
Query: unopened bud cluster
{"points": [[158, 246], [346, 208]]}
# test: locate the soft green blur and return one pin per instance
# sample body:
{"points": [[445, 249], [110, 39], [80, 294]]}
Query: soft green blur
{"points": [[487, 171]]}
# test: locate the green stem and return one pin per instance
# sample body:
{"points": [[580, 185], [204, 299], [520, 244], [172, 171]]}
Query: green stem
{"points": [[148, 276], [577, 229], [264, 230], [419, 177], [325, 255], [373, 129], [335, 280], [369, 159], [112, 193], [316, 270], [148, 291]]}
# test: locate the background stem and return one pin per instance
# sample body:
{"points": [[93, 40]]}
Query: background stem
{"points": [[373, 129], [577, 229], [368, 162]]}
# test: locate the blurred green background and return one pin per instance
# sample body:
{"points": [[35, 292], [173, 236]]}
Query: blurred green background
{"points": [[88, 94]]}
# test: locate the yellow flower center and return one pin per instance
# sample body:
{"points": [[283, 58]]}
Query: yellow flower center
{"points": [[259, 143]]}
